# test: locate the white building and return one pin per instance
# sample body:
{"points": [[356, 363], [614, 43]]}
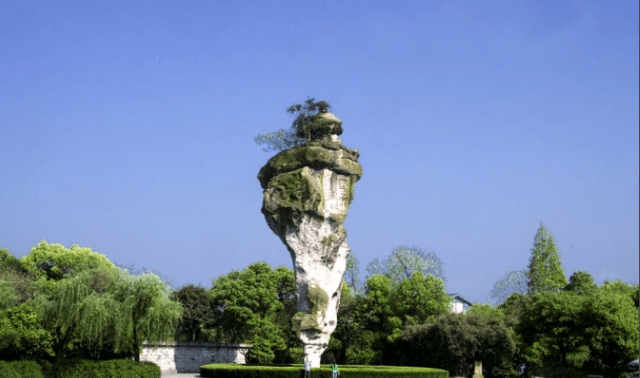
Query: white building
{"points": [[459, 305]]}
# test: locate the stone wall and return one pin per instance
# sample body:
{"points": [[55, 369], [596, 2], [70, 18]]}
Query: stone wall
{"points": [[187, 357]]}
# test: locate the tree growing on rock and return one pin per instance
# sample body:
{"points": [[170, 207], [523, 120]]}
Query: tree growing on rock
{"points": [[301, 131]]}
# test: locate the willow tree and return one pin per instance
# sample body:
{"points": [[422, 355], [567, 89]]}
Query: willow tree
{"points": [[148, 314], [83, 312], [545, 267]]}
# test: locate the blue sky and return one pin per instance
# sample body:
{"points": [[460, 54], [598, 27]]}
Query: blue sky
{"points": [[128, 127]]}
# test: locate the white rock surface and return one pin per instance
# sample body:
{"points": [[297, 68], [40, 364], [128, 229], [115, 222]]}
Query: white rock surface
{"points": [[321, 264]]}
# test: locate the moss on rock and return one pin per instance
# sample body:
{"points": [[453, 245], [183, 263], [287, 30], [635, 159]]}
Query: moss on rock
{"points": [[291, 193], [318, 304], [314, 156]]}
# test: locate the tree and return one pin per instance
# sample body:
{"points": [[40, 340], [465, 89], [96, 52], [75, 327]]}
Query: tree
{"points": [[373, 321], [148, 312], [352, 275], [455, 341], [486, 310], [197, 312], [278, 140], [301, 131], [515, 281], [589, 330], [404, 261], [552, 326], [16, 283], [613, 332], [545, 267], [81, 312], [21, 333], [306, 121], [54, 261], [257, 305], [581, 283], [419, 298]]}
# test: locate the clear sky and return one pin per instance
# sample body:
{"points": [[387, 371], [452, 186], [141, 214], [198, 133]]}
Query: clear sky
{"points": [[127, 126]]}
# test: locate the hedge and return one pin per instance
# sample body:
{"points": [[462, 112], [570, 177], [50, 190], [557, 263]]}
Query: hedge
{"points": [[297, 371], [22, 369], [80, 369]]}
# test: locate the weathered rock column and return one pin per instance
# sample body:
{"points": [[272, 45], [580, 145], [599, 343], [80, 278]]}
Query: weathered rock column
{"points": [[307, 192]]}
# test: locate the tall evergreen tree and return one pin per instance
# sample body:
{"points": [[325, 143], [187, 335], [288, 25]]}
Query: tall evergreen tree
{"points": [[545, 267]]}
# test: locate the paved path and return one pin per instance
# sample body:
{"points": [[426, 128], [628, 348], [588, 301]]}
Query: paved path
{"points": [[180, 375]]}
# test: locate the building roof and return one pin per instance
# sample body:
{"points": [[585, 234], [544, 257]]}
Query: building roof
{"points": [[456, 296]]}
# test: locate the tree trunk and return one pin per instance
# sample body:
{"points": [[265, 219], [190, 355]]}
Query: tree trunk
{"points": [[136, 347]]}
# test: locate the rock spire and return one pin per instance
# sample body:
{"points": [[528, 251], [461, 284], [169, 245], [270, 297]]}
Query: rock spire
{"points": [[307, 192]]}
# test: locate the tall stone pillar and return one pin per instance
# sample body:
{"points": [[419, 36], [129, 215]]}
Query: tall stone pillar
{"points": [[307, 192]]}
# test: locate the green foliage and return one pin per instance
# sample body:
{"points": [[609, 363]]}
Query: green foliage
{"points": [[55, 262], [16, 284], [581, 283], [552, 326], [306, 124], [7, 260], [81, 312], [368, 326], [8, 297], [364, 324], [297, 371], [613, 333], [545, 267], [21, 334], [148, 312], [365, 349], [455, 341], [486, 310], [421, 298], [404, 261], [261, 352], [107, 369], [197, 313], [22, 369], [302, 130], [592, 331], [257, 306], [80, 305]]}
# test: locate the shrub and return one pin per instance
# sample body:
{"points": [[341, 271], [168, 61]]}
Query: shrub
{"points": [[455, 341], [107, 369], [297, 371], [22, 369]]}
